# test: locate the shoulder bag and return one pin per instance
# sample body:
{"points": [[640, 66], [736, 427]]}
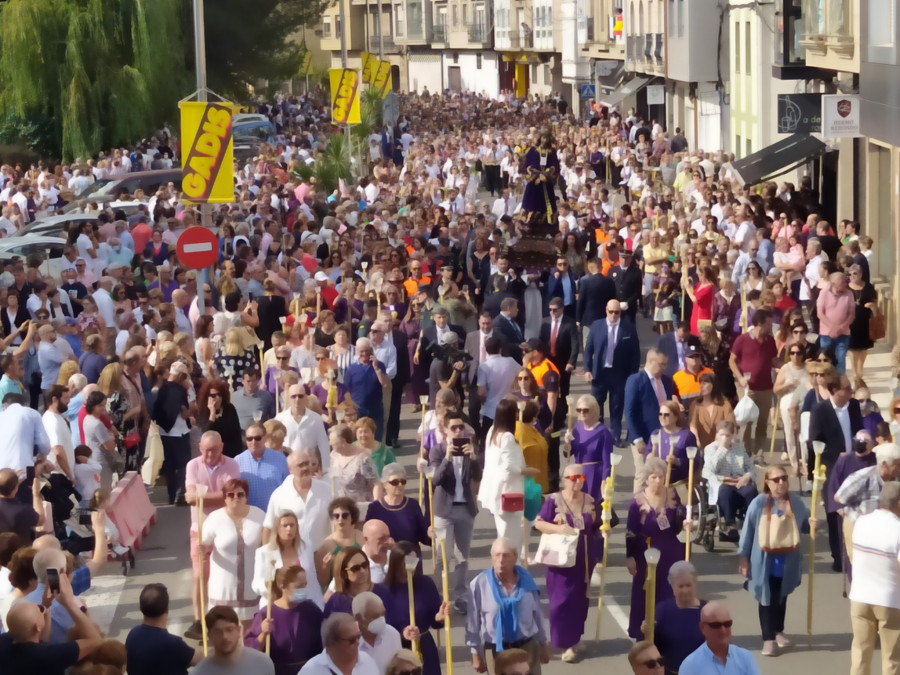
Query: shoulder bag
{"points": [[778, 534]]}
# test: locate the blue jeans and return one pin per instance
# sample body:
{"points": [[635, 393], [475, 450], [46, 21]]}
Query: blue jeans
{"points": [[839, 345]]}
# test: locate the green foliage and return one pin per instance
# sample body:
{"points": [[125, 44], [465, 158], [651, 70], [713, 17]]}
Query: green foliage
{"points": [[331, 165], [101, 72], [370, 102], [248, 41]]}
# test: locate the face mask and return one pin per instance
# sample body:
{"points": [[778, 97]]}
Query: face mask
{"points": [[377, 626], [299, 595]]}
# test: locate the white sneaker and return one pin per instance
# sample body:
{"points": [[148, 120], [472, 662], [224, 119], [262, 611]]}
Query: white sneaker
{"points": [[569, 656], [782, 640], [768, 648]]}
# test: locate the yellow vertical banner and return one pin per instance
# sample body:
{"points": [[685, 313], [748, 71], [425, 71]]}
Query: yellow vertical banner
{"points": [[369, 64], [207, 152], [382, 79], [344, 95]]}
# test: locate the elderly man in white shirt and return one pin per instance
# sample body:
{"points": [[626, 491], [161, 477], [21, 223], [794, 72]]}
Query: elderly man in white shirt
{"points": [[305, 429], [386, 353], [379, 639], [341, 638], [814, 258], [304, 496]]}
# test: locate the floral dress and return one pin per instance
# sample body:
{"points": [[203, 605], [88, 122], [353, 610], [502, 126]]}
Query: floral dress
{"points": [[353, 476]]}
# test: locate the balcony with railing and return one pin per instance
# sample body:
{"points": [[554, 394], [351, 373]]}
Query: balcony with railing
{"points": [[439, 33], [521, 39]]}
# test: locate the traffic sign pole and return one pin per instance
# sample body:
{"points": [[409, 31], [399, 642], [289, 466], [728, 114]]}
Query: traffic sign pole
{"points": [[200, 62]]}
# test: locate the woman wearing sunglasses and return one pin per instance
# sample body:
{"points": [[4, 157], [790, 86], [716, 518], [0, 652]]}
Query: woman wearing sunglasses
{"points": [[232, 534], [344, 515], [591, 444], [215, 412], [670, 443], [402, 515], [791, 386], [772, 576], [352, 577], [571, 511], [655, 514], [430, 610]]}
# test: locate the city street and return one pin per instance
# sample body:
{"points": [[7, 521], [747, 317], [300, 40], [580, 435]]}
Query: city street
{"points": [[163, 558]]}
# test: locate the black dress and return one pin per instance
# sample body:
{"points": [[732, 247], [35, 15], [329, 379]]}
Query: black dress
{"points": [[229, 427], [859, 329], [270, 309]]}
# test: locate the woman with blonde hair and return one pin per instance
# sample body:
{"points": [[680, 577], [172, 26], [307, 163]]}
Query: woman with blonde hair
{"points": [[591, 445], [233, 359], [67, 370], [285, 548], [405, 662], [276, 432], [124, 416]]}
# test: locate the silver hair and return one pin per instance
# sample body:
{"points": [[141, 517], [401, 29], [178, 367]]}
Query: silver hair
{"points": [[890, 496], [652, 465], [362, 601], [680, 568], [331, 627], [392, 469], [506, 544]]}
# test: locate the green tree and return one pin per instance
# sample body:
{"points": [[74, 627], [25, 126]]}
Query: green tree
{"points": [[247, 41], [102, 72]]}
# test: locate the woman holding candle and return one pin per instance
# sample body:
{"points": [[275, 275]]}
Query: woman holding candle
{"points": [[670, 443], [271, 309], [402, 515], [342, 352], [293, 631], [284, 549], [590, 445], [429, 609], [571, 511], [379, 453], [772, 576], [655, 514]]}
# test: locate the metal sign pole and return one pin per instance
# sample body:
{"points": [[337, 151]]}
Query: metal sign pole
{"points": [[200, 61]]}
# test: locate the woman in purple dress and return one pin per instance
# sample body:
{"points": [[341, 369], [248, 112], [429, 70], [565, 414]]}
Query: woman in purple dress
{"points": [[671, 440], [677, 631], [402, 515], [591, 444], [411, 326], [656, 515], [571, 511], [294, 629], [429, 611]]}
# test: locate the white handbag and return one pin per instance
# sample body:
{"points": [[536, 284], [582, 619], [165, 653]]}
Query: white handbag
{"points": [[557, 550]]}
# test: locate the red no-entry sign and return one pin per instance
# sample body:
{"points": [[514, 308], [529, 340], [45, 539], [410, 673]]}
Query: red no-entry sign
{"points": [[198, 248]]}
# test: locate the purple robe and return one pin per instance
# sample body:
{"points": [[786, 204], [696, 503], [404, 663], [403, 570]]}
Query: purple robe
{"points": [[592, 449], [567, 587], [677, 632], [640, 528], [418, 386], [427, 602], [342, 602], [405, 522], [536, 197], [296, 636], [685, 439], [871, 421]]}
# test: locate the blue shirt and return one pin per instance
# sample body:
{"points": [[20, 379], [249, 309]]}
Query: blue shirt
{"points": [[263, 475], [703, 662], [364, 387], [61, 621]]}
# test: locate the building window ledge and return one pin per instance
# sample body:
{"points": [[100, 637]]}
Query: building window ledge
{"points": [[842, 45], [815, 44]]}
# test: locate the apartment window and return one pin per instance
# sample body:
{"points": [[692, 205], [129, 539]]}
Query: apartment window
{"points": [[326, 27], [748, 45], [478, 61], [749, 150], [337, 26], [454, 16], [455, 58], [534, 72], [737, 144], [680, 18], [465, 15], [737, 46], [882, 25]]}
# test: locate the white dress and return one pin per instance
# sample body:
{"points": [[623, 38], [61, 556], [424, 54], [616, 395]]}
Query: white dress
{"points": [[267, 560], [232, 560], [794, 398]]}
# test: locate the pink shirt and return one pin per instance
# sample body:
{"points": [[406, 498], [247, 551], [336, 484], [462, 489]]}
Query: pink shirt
{"points": [[198, 473], [836, 312]]}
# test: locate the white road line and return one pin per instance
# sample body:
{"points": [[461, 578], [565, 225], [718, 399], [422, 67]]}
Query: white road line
{"points": [[198, 248], [617, 613]]}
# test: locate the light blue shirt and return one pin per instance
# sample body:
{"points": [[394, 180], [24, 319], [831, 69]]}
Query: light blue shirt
{"points": [[263, 475], [50, 358], [568, 287], [703, 662]]}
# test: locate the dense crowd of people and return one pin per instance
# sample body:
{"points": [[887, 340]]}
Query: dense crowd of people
{"points": [[268, 392]]}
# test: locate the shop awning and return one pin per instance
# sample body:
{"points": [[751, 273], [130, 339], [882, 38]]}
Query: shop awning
{"points": [[632, 86], [778, 159]]}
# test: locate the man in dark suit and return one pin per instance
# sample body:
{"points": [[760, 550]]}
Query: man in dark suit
{"points": [[835, 422], [561, 284], [453, 519], [594, 291], [475, 347], [514, 284], [493, 301], [628, 280], [676, 344], [507, 329], [561, 335], [644, 392], [401, 343], [429, 339], [612, 353]]}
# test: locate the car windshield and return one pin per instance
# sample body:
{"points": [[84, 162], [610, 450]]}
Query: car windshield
{"points": [[97, 188]]}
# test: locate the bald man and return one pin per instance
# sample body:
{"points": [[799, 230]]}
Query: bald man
{"points": [[377, 544], [717, 654], [24, 650]]}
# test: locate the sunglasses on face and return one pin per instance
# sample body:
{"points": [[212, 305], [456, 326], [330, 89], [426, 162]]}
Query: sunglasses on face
{"points": [[718, 625], [576, 478], [582, 410], [360, 566], [214, 394], [254, 438], [236, 495], [397, 482], [340, 515], [778, 479], [521, 379], [613, 312], [796, 353], [665, 414]]}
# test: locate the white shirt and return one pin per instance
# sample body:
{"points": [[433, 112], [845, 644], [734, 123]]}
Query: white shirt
{"points": [[812, 275], [309, 432], [312, 513], [323, 665], [876, 560], [60, 435], [105, 306], [387, 354], [386, 645], [23, 429]]}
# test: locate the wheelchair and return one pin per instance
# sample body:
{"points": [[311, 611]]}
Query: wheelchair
{"points": [[707, 518]]}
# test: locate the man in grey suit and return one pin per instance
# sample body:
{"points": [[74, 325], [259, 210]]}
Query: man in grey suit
{"points": [[476, 349], [454, 461]]}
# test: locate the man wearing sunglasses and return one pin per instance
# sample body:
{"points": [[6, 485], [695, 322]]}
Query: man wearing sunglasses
{"points": [[340, 637], [263, 469], [717, 654], [645, 659], [457, 473]]}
